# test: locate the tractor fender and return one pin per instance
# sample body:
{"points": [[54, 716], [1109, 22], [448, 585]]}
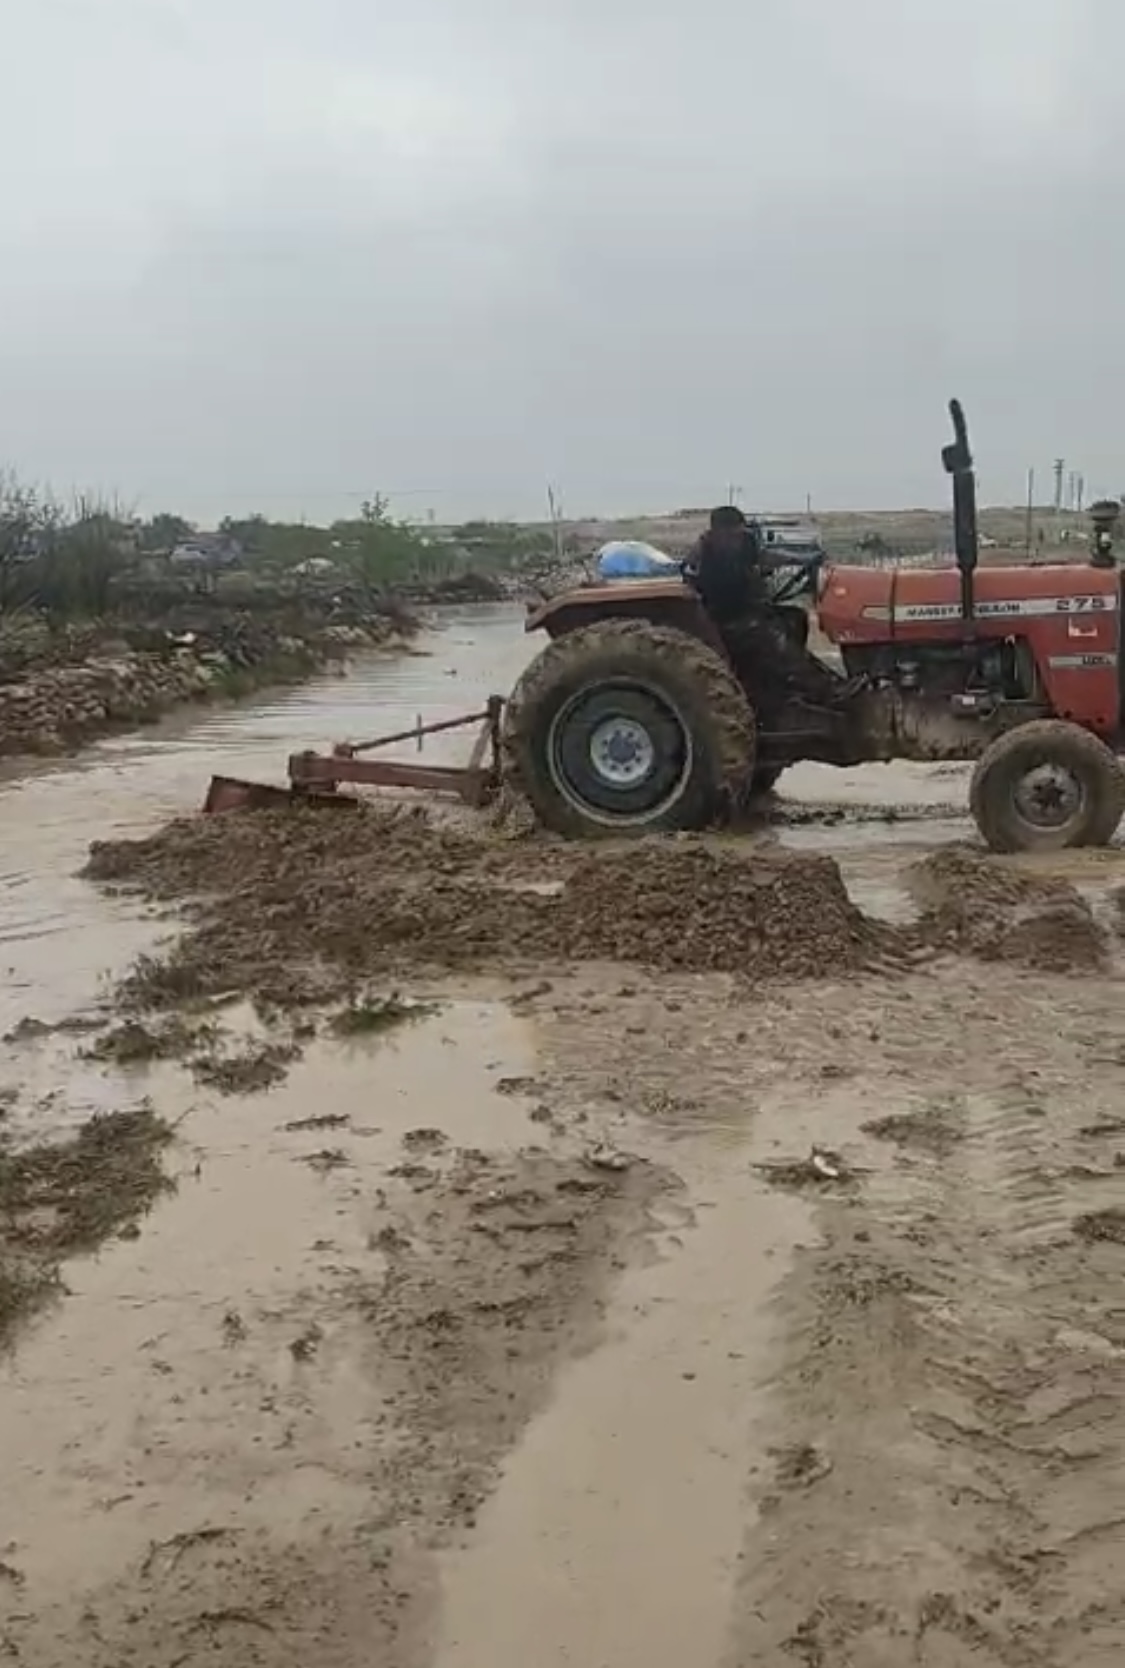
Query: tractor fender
{"points": [[663, 602]]}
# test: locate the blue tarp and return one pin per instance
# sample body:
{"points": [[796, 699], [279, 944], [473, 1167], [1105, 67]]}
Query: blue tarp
{"points": [[633, 559]]}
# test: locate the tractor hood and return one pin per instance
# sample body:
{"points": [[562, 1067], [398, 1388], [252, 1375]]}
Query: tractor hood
{"points": [[855, 603], [870, 605]]}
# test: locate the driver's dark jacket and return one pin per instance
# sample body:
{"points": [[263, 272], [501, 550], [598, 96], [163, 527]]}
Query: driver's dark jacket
{"points": [[731, 583]]}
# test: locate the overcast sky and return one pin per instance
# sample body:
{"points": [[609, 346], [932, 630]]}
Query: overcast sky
{"points": [[276, 254]]}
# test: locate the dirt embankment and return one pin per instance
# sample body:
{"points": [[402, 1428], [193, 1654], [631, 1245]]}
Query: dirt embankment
{"points": [[60, 689]]}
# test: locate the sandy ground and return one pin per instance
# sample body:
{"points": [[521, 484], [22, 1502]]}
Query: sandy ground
{"points": [[602, 1315]]}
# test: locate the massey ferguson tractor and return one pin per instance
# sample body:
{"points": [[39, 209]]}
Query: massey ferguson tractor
{"points": [[639, 715]]}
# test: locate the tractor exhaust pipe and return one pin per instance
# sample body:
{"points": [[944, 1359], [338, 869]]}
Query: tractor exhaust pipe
{"points": [[957, 461]]}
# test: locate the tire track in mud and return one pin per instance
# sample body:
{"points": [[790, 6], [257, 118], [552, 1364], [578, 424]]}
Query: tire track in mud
{"points": [[954, 1377], [415, 1370], [942, 1485]]}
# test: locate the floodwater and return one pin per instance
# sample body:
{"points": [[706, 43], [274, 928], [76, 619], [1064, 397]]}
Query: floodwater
{"points": [[202, 1420], [58, 935], [212, 1376], [268, 1215]]}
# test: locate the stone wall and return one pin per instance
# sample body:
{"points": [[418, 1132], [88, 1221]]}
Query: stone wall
{"points": [[51, 709]]}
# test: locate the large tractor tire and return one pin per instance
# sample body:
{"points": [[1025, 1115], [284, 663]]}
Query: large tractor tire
{"points": [[624, 727], [1045, 786]]}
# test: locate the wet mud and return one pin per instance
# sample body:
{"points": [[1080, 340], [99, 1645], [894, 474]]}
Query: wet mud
{"points": [[935, 1407], [396, 892], [979, 905], [299, 1386], [62, 1197], [953, 1349], [701, 1253]]}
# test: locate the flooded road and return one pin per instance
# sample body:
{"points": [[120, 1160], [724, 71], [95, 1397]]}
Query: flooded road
{"points": [[58, 935], [529, 1332]]}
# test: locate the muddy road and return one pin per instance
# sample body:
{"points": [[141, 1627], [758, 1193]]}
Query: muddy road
{"points": [[539, 1307]]}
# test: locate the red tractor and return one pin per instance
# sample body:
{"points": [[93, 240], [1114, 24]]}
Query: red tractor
{"points": [[640, 714]]}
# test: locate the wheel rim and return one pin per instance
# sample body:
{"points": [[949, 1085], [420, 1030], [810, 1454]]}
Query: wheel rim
{"points": [[1049, 797], [620, 754]]}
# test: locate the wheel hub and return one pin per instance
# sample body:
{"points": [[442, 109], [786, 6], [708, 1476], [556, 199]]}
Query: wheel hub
{"points": [[622, 752], [1049, 796]]}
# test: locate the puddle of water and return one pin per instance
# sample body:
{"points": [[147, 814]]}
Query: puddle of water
{"points": [[156, 1398], [613, 1538], [898, 782], [441, 1072], [57, 1089], [874, 857]]}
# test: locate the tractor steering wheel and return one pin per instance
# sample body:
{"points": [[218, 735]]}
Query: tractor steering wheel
{"points": [[801, 575]]}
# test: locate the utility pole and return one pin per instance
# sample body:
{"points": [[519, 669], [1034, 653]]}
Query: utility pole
{"points": [[554, 509], [1030, 516], [734, 493]]}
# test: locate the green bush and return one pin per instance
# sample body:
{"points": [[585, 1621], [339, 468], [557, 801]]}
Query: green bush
{"points": [[56, 562]]}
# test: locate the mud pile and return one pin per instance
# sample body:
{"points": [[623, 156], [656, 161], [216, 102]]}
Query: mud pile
{"points": [[379, 890], [374, 892], [305, 905], [326, 941], [980, 906], [283, 850], [691, 906]]}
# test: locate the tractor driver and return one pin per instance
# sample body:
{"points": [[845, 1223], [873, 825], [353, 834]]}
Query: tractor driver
{"points": [[727, 567]]}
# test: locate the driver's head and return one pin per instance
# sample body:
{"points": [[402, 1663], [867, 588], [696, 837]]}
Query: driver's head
{"points": [[728, 527]]}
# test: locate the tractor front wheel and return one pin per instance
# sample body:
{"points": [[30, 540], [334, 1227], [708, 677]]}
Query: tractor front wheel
{"points": [[1045, 786], [625, 727]]}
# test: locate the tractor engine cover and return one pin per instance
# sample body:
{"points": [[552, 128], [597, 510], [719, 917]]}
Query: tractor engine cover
{"points": [[1068, 615]]}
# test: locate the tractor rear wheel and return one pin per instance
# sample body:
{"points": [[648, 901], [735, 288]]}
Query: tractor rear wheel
{"points": [[624, 727], [1045, 786]]}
